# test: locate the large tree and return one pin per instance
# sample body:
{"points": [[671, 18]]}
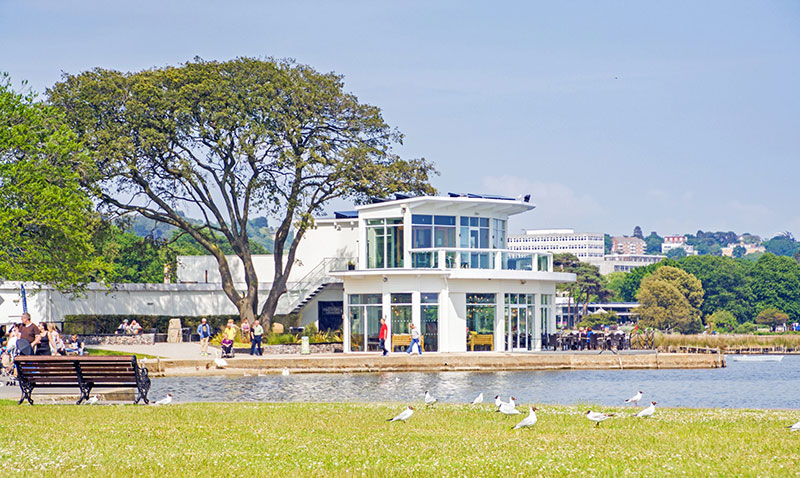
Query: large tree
{"points": [[228, 140], [725, 285], [47, 220], [671, 298], [775, 282]]}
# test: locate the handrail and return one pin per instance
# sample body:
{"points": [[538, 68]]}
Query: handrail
{"points": [[315, 278], [500, 262]]}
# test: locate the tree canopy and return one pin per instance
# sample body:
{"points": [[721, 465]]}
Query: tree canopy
{"points": [[229, 140], [670, 299], [47, 220]]}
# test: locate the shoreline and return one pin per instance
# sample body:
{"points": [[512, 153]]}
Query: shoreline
{"points": [[461, 362]]}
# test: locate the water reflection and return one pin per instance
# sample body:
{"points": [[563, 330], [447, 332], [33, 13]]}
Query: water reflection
{"points": [[740, 385]]}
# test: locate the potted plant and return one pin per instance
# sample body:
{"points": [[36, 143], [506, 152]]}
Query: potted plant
{"points": [[351, 266]]}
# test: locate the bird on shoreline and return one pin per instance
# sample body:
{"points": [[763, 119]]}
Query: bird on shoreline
{"points": [[478, 400], [497, 401], [528, 421], [795, 427], [165, 401], [635, 399], [403, 416], [597, 417], [647, 412], [93, 400], [509, 408], [429, 400]]}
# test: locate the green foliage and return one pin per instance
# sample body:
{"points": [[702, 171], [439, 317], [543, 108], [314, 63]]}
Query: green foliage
{"points": [[775, 281], [722, 321], [589, 284], [711, 242], [670, 299], [132, 259], [725, 284], [633, 279], [231, 140], [677, 253], [637, 232], [281, 339], [739, 251], [613, 283], [47, 219], [782, 245], [745, 328], [608, 243], [597, 320], [772, 317], [654, 242]]}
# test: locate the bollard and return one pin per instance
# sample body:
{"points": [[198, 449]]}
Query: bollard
{"points": [[305, 347]]}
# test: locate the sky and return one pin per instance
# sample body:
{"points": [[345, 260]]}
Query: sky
{"points": [[674, 116]]}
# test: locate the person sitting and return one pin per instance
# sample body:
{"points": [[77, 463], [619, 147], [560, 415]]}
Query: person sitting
{"points": [[135, 328], [76, 345], [55, 340], [123, 327]]}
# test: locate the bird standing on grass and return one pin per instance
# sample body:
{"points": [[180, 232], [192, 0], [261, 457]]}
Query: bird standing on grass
{"points": [[597, 417], [478, 400], [429, 400], [403, 416], [795, 427], [508, 408], [635, 399], [528, 421], [93, 400], [165, 401], [647, 412], [497, 401]]}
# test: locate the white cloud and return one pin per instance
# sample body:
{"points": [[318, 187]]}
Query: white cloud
{"points": [[557, 205]]}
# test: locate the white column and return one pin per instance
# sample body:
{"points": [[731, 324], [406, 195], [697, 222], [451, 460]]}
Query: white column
{"points": [[537, 322], [407, 237], [499, 322], [346, 322]]}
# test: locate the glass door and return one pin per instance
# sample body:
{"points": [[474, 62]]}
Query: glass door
{"points": [[429, 313], [364, 314]]}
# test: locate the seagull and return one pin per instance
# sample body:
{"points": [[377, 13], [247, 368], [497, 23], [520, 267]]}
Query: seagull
{"points": [[635, 399], [403, 416], [497, 402], [795, 427], [647, 412], [528, 421], [597, 417], [508, 408], [93, 400], [478, 399], [220, 362], [285, 372], [429, 400], [165, 401]]}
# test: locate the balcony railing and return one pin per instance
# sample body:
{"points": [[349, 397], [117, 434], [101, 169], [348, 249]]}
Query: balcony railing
{"points": [[465, 258]]}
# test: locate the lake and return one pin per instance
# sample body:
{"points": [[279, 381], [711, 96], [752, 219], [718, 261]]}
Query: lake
{"points": [[739, 385]]}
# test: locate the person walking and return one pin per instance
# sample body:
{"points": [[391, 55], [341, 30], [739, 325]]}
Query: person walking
{"points": [[256, 334], [382, 336], [204, 331], [414, 340]]}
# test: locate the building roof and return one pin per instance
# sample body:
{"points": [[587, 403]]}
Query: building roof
{"points": [[473, 203]]}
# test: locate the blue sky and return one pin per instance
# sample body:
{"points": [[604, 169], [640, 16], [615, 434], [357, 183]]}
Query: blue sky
{"points": [[674, 116]]}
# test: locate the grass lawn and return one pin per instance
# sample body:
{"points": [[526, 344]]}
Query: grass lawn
{"points": [[267, 439], [108, 353]]}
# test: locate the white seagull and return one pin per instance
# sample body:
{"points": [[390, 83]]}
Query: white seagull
{"points": [[429, 400], [220, 362], [165, 401], [635, 399], [403, 416], [508, 408], [478, 399], [597, 417], [528, 421], [647, 412], [497, 401], [93, 400], [285, 372], [795, 427]]}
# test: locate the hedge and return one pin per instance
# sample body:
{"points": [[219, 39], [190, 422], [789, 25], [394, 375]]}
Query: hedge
{"points": [[87, 324]]}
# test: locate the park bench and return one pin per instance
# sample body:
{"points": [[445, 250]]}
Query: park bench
{"points": [[480, 339], [86, 373], [404, 340]]}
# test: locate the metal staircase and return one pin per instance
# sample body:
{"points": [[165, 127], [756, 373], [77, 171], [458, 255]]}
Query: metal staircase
{"points": [[300, 293]]}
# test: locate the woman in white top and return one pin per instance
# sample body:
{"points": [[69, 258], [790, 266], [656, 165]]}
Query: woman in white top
{"points": [[57, 346]]}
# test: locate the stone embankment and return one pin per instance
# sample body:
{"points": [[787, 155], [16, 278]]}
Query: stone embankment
{"points": [[474, 362]]}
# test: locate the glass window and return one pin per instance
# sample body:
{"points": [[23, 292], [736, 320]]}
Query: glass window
{"points": [[384, 244], [429, 316], [421, 219], [480, 315], [401, 321], [429, 298], [364, 316], [444, 220], [426, 235]]}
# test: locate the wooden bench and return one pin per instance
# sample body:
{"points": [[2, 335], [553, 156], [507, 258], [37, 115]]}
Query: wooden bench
{"points": [[480, 339], [404, 340], [85, 373]]}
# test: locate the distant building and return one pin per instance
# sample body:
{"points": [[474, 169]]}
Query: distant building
{"points": [[748, 248], [677, 242], [587, 246], [628, 245], [567, 315], [626, 262]]}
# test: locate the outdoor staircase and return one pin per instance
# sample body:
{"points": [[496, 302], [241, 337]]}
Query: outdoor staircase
{"points": [[300, 293]]}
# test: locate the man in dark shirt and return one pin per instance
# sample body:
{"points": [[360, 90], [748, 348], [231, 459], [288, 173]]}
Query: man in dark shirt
{"points": [[29, 336]]}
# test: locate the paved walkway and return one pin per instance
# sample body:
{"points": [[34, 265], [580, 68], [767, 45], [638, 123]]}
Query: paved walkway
{"points": [[184, 350]]}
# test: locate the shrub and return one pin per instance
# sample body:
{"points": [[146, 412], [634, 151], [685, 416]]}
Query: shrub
{"points": [[598, 320], [722, 321], [745, 328]]}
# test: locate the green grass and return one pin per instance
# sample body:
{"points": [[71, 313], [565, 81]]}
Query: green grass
{"points": [[114, 353], [266, 439]]}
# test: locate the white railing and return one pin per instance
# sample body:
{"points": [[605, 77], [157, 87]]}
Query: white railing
{"points": [[298, 291], [471, 258]]}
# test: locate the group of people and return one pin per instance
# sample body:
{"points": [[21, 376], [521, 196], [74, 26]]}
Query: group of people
{"points": [[27, 338], [383, 334], [128, 328], [254, 334]]}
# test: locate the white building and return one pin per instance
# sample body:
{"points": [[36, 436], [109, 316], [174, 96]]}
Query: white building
{"points": [[677, 241], [626, 262], [586, 246], [441, 263]]}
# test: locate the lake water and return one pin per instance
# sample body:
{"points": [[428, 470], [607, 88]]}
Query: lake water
{"points": [[739, 385]]}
